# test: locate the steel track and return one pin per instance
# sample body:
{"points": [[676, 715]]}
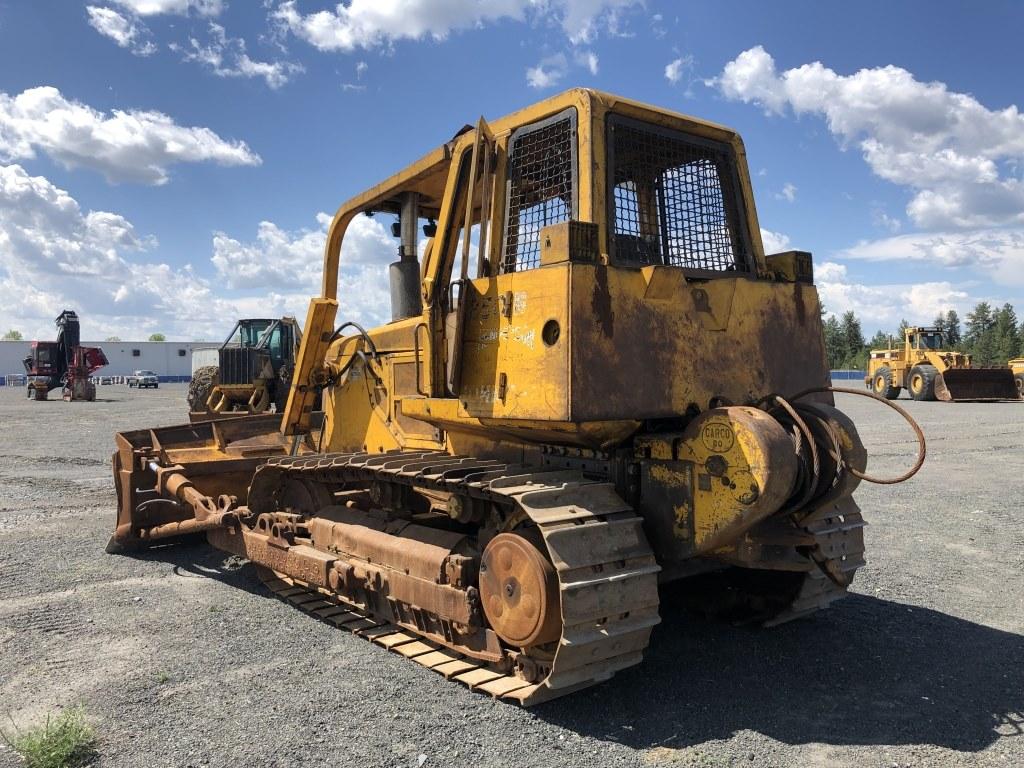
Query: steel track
{"points": [[607, 573]]}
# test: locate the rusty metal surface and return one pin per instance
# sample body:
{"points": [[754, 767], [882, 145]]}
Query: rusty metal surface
{"points": [[730, 338], [573, 604], [595, 586], [519, 591], [605, 572]]}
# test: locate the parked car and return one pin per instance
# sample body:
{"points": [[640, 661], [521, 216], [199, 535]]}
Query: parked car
{"points": [[143, 379]]}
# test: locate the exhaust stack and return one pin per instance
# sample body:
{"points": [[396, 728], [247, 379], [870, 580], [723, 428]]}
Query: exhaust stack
{"points": [[404, 274]]}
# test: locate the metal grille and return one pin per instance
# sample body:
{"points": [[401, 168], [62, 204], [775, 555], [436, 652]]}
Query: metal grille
{"points": [[239, 365], [540, 190], [674, 200]]}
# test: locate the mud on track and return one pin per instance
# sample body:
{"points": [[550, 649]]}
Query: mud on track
{"points": [[181, 658]]}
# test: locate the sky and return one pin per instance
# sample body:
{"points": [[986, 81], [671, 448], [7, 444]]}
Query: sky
{"points": [[171, 165]]}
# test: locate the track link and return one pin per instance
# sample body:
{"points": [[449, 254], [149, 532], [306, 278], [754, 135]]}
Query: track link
{"points": [[607, 573], [837, 551]]}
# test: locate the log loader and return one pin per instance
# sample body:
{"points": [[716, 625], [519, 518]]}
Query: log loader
{"points": [[928, 371], [63, 363], [594, 381]]}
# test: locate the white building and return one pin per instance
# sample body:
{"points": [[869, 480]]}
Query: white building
{"points": [[170, 360]]}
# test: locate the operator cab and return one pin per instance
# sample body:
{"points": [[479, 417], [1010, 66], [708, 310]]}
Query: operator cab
{"points": [[565, 239], [41, 358], [927, 338]]}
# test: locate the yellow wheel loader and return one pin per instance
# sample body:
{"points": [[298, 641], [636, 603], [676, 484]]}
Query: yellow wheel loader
{"points": [[1017, 368], [929, 372], [595, 382]]}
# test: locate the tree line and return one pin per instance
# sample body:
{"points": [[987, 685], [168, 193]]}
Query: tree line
{"points": [[991, 335]]}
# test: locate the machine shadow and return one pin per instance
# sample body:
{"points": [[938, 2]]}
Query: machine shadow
{"points": [[867, 671], [191, 557]]}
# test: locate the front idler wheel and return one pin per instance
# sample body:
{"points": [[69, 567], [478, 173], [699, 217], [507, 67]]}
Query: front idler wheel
{"points": [[519, 592]]}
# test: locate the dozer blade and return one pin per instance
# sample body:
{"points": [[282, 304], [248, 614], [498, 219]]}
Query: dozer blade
{"points": [[184, 479], [960, 384]]}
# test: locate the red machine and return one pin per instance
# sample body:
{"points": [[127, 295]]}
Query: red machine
{"points": [[63, 363]]}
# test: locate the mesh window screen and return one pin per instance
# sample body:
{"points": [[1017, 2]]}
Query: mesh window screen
{"points": [[541, 187], [673, 200]]}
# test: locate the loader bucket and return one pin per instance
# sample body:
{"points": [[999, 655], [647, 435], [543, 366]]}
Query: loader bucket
{"points": [[161, 473], [959, 384]]}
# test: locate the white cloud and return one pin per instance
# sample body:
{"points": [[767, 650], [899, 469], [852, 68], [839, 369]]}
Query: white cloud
{"points": [[883, 306], [226, 57], [883, 220], [925, 300], [548, 73], [587, 59], [54, 255], [294, 261], [944, 145], [277, 258], [674, 69], [367, 24], [774, 242], [751, 77], [124, 146], [172, 7], [996, 253], [122, 30], [657, 26], [830, 272], [788, 193], [680, 70]]}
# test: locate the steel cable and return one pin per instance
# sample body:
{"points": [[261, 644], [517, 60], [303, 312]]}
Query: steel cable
{"points": [[918, 433]]}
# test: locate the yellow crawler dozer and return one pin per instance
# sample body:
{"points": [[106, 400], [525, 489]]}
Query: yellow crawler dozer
{"points": [[594, 382], [929, 372]]}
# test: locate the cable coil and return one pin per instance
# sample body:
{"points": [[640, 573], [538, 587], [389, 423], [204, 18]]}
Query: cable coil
{"points": [[818, 446]]}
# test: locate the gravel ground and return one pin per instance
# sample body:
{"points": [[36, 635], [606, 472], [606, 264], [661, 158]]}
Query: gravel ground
{"points": [[182, 660]]}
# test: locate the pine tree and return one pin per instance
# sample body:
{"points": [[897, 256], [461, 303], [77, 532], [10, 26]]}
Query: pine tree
{"points": [[979, 321], [833, 343], [940, 324], [952, 330], [879, 341], [853, 341], [1006, 337], [980, 337], [901, 333]]}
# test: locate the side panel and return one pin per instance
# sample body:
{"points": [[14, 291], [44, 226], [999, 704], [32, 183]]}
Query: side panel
{"points": [[367, 408], [648, 344], [511, 368]]}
